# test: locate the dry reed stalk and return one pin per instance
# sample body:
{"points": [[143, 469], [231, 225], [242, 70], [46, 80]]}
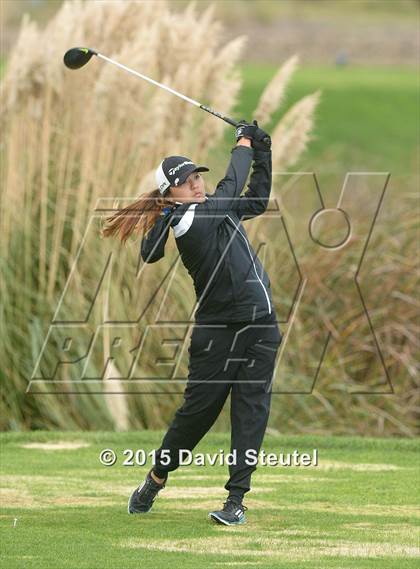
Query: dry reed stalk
{"points": [[66, 161], [114, 395], [291, 135], [273, 94], [30, 164], [11, 200]]}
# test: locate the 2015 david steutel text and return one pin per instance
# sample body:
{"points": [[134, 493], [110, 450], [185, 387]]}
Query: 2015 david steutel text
{"points": [[186, 457]]}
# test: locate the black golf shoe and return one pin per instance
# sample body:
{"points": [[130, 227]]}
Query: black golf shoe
{"points": [[231, 515], [141, 500]]}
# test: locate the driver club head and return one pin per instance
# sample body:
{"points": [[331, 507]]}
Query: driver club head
{"points": [[77, 57]]}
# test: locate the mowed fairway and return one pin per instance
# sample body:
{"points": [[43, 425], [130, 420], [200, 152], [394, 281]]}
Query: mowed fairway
{"points": [[62, 508]]}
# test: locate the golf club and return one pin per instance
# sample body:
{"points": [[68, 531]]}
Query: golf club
{"points": [[78, 57]]}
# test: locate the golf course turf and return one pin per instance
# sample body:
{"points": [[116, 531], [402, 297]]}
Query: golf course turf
{"points": [[62, 508]]}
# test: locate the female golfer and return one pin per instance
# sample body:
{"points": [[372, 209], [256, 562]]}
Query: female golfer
{"points": [[235, 337]]}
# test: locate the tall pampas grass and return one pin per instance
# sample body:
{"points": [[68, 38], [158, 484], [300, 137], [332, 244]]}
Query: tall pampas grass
{"points": [[72, 138], [77, 144], [292, 134]]}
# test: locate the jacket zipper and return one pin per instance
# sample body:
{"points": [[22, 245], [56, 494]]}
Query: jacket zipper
{"points": [[255, 268]]}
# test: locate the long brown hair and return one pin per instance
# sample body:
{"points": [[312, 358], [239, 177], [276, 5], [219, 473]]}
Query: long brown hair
{"points": [[141, 215]]}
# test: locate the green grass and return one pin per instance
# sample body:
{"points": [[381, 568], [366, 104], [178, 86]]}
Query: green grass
{"points": [[368, 118], [355, 510]]}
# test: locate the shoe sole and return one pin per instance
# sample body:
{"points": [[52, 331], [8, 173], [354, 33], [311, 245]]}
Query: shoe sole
{"points": [[219, 520]]}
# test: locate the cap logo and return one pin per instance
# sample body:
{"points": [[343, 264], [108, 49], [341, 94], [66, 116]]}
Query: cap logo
{"points": [[172, 171]]}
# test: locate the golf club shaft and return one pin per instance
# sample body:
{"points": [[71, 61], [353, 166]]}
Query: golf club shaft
{"points": [[196, 103]]}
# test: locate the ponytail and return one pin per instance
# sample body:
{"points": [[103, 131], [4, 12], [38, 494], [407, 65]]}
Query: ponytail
{"points": [[139, 216]]}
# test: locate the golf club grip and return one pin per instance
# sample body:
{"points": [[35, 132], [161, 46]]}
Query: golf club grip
{"points": [[226, 119]]}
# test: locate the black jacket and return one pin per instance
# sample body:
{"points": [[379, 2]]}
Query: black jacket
{"points": [[230, 282]]}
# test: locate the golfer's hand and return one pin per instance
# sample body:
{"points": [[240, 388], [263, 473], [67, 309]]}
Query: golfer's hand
{"points": [[245, 130], [261, 140]]}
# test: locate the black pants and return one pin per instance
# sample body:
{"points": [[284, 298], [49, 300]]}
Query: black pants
{"points": [[236, 357]]}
